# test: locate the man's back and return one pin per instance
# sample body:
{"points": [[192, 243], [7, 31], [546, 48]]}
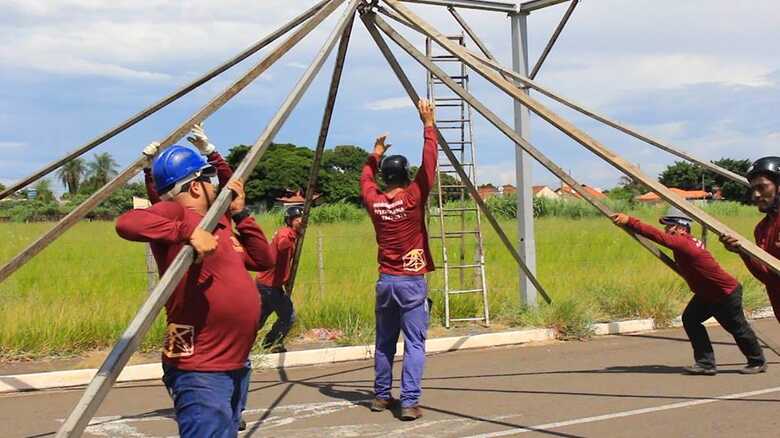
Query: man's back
{"points": [[399, 219]]}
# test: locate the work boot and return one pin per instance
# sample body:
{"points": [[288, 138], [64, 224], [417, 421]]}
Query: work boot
{"points": [[379, 404], [754, 368], [411, 413], [278, 349], [700, 370]]}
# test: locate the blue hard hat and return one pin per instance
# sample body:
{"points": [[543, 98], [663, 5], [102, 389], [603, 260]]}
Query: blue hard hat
{"points": [[178, 165]]}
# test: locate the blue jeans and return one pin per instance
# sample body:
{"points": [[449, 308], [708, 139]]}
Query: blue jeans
{"points": [[207, 404], [401, 305], [276, 301]]}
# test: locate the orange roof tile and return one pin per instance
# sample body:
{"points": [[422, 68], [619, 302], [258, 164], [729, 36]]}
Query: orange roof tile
{"points": [[686, 194]]}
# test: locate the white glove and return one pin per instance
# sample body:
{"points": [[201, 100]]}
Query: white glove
{"points": [[150, 151], [200, 141]]}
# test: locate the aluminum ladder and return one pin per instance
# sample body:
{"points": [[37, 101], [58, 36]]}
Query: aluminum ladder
{"points": [[462, 263]]}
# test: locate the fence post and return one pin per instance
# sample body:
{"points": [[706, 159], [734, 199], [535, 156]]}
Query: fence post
{"points": [[151, 269], [320, 264]]}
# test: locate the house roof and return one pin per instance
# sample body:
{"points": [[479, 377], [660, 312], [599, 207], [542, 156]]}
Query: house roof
{"points": [[594, 192], [686, 194], [538, 189]]}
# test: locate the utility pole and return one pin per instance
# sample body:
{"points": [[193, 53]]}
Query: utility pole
{"points": [[525, 208]]}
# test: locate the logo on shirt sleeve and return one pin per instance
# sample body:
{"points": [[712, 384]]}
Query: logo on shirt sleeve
{"points": [[414, 260], [179, 340]]}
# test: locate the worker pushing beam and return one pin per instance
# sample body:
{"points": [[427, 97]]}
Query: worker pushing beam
{"points": [[120, 354]]}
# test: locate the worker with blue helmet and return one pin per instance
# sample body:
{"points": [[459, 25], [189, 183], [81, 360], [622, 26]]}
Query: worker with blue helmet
{"points": [[213, 312], [177, 166]]}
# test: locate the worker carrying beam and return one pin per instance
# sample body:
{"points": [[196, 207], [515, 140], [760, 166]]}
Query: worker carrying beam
{"points": [[272, 283], [715, 292], [764, 179], [402, 304], [213, 313]]}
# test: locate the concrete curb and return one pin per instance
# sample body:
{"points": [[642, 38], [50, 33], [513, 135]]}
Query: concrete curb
{"points": [[63, 379]]}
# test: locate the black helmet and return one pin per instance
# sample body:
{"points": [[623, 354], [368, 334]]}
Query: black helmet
{"points": [[291, 213], [395, 169], [767, 166]]}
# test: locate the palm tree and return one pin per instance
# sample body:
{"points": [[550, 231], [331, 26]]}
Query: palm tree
{"points": [[101, 169], [44, 191], [70, 174]]}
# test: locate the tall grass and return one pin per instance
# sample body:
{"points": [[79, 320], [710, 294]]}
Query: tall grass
{"points": [[81, 292]]}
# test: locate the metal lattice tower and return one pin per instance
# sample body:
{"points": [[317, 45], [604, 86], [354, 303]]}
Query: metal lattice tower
{"points": [[462, 253]]}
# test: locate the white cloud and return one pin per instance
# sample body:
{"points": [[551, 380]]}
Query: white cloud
{"points": [[502, 173], [11, 144], [392, 103], [144, 39], [668, 130], [298, 65]]}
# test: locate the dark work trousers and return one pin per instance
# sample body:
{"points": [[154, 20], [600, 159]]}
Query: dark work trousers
{"points": [[728, 312], [274, 300]]}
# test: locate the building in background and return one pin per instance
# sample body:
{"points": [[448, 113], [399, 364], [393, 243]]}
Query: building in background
{"points": [[688, 195]]}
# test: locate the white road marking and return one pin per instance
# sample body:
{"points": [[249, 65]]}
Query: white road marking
{"points": [[630, 413], [118, 426]]}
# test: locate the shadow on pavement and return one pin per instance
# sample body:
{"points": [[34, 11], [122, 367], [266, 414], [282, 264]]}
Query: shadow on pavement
{"points": [[500, 423]]}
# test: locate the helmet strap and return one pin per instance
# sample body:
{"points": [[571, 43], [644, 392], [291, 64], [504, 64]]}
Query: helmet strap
{"points": [[206, 195]]}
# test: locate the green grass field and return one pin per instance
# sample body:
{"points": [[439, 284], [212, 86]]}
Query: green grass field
{"points": [[80, 293]]}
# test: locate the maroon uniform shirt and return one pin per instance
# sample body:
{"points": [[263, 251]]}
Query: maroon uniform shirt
{"points": [[213, 312], [767, 235], [282, 251], [696, 265], [399, 221]]}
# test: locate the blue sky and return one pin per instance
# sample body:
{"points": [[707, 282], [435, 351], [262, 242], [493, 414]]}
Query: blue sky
{"points": [[702, 74]]}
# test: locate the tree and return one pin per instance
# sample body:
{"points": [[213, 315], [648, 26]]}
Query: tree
{"points": [[44, 194], [682, 175], [283, 167], [71, 173], [627, 189], [119, 202], [286, 167], [689, 176], [339, 177], [731, 190], [100, 170], [2, 187]]}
